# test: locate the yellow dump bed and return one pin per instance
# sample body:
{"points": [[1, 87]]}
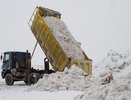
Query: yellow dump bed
{"points": [[50, 45]]}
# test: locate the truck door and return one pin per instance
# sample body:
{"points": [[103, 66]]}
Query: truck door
{"points": [[6, 61]]}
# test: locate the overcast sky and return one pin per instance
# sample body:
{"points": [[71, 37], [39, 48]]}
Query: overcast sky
{"points": [[100, 25]]}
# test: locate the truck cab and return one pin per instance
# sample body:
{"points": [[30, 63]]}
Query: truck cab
{"points": [[16, 60], [17, 67]]}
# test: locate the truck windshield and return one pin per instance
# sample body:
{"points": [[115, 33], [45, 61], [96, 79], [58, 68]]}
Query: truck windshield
{"points": [[6, 57]]}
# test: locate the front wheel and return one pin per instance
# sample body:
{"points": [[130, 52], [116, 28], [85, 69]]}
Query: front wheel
{"points": [[9, 79]]}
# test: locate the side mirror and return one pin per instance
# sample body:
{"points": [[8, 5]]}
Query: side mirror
{"points": [[1, 57]]}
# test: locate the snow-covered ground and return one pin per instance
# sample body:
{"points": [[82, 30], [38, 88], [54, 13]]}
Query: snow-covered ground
{"points": [[72, 84], [20, 91]]}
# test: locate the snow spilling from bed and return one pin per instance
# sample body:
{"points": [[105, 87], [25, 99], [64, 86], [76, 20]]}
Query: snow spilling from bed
{"points": [[60, 31], [71, 79]]}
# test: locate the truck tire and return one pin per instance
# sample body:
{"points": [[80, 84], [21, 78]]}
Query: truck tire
{"points": [[32, 78], [9, 79]]}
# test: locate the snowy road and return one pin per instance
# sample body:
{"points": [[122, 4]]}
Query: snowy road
{"points": [[19, 91]]}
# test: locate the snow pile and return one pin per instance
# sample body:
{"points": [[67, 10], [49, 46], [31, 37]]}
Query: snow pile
{"points": [[119, 64], [116, 63], [60, 31], [116, 90], [71, 79]]}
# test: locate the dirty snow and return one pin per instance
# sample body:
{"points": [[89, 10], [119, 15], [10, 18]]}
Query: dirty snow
{"points": [[71, 47]]}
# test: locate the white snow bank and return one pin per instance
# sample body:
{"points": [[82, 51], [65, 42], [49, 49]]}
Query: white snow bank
{"points": [[60, 31], [119, 64], [116, 90], [71, 79], [116, 63]]}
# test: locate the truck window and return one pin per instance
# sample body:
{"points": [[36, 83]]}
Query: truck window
{"points": [[6, 57]]}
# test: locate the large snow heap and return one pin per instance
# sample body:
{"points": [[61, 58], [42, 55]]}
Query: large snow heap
{"points": [[74, 79], [119, 64]]}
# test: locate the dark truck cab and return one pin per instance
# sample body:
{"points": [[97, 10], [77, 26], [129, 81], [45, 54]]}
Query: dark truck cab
{"points": [[17, 67]]}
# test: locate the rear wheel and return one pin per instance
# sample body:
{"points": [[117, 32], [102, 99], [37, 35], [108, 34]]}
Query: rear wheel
{"points": [[32, 79], [9, 79]]}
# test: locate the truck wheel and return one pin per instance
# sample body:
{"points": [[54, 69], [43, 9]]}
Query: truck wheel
{"points": [[9, 79], [32, 79]]}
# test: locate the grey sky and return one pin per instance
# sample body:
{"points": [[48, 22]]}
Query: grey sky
{"points": [[100, 25]]}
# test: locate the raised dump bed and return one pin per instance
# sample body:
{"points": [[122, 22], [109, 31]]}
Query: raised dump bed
{"points": [[56, 41]]}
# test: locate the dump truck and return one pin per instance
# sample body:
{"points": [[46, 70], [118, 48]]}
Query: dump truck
{"points": [[50, 45], [17, 65]]}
